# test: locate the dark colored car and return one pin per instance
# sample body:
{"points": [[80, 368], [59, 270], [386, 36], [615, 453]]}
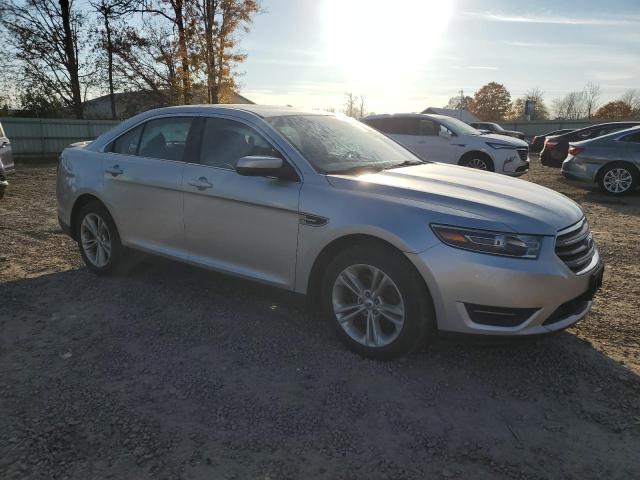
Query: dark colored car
{"points": [[538, 141], [496, 129], [556, 148], [6, 161]]}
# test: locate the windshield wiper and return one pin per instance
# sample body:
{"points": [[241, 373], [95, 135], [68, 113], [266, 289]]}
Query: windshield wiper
{"points": [[357, 169], [407, 163]]}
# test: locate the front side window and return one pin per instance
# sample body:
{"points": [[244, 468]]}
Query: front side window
{"points": [[165, 138], [339, 144], [429, 128], [224, 142], [127, 144]]}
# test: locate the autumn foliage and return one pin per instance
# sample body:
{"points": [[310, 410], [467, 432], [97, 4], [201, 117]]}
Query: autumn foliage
{"points": [[617, 110]]}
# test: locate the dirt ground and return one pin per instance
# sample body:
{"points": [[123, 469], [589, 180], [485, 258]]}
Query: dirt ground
{"points": [[172, 372]]}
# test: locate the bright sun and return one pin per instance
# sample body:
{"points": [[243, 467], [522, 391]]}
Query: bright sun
{"points": [[382, 39]]}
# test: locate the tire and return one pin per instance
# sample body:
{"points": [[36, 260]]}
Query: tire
{"points": [[618, 179], [397, 333], [91, 218], [477, 160]]}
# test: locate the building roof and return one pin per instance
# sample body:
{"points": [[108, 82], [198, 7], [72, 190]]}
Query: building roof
{"points": [[463, 115]]}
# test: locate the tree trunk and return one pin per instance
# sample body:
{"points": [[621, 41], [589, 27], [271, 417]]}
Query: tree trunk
{"points": [[184, 58], [112, 96], [72, 61], [210, 11]]}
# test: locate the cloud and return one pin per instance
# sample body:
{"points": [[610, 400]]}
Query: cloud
{"points": [[563, 20], [473, 67]]}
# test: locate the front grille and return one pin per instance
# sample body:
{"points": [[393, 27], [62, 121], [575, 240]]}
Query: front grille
{"points": [[523, 153], [575, 246]]}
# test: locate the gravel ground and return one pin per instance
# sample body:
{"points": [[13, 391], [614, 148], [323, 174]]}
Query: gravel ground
{"points": [[173, 372]]}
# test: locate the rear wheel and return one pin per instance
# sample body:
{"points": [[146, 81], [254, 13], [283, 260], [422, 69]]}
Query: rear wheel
{"points": [[98, 238], [377, 301], [618, 179]]}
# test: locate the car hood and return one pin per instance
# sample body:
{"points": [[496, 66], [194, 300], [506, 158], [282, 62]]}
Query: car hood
{"points": [[470, 198], [516, 142]]}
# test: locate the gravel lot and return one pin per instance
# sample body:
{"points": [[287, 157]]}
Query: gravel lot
{"points": [[172, 372]]}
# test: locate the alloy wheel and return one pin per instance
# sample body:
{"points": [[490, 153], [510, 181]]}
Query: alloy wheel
{"points": [[95, 239], [368, 305], [617, 180], [477, 163]]}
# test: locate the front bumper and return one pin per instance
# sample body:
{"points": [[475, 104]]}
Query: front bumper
{"points": [[513, 165], [457, 279]]}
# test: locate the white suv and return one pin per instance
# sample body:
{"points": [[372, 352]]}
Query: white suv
{"points": [[448, 140]]}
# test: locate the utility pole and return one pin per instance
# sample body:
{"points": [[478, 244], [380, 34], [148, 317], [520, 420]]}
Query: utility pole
{"points": [[461, 104]]}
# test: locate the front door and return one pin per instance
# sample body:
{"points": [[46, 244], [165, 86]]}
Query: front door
{"points": [[143, 184], [247, 226]]}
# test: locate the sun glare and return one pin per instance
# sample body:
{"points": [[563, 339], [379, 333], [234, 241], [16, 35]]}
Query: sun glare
{"points": [[382, 39]]}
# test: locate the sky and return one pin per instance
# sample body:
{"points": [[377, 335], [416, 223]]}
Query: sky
{"points": [[407, 55]]}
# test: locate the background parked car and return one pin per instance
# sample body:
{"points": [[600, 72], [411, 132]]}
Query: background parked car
{"points": [[556, 148], [445, 139], [538, 141], [613, 161], [6, 161], [497, 129]]}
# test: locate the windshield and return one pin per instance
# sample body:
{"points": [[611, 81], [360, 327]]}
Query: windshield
{"points": [[458, 126], [340, 144]]}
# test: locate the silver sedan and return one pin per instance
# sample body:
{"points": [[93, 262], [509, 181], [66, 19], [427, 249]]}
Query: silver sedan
{"points": [[612, 161], [391, 248]]}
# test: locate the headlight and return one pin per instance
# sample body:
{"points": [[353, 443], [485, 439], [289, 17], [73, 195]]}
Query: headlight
{"points": [[500, 146], [492, 243]]}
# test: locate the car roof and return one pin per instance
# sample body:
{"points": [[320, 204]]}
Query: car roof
{"points": [[264, 111], [405, 115], [608, 136]]}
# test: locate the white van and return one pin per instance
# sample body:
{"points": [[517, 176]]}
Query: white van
{"points": [[448, 140]]}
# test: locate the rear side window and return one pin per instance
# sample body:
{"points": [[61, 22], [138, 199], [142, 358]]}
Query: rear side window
{"points": [[127, 144], [429, 128], [165, 138], [632, 138], [396, 125]]}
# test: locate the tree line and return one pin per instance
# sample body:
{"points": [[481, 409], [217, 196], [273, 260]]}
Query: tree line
{"points": [[175, 51], [492, 102]]}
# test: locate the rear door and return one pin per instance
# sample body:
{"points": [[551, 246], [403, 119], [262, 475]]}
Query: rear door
{"points": [[143, 183], [6, 155], [247, 226]]}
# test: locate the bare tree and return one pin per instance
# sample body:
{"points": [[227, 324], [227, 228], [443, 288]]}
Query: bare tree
{"points": [[631, 98], [44, 38], [350, 104], [110, 12], [591, 96], [570, 107]]}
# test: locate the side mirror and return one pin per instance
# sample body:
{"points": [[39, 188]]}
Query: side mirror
{"points": [[257, 166]]}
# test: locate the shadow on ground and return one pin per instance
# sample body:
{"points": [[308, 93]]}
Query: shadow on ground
{"points": [[169, 371]]}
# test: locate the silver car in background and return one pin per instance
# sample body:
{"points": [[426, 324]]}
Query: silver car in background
{"points": [[391, 248], [7, 166], [612, 161]]}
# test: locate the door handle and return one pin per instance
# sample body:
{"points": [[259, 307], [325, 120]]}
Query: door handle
{"points": [[115, 170], [421, 141], [200, 183]]}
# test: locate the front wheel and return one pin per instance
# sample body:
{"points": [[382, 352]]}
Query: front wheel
{"points": [[377, 301], [98, 238], [477, 161], [618, 179]]}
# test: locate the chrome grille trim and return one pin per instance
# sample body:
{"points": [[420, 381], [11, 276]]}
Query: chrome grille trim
{"points": [[576, 248], [523, 153]]}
